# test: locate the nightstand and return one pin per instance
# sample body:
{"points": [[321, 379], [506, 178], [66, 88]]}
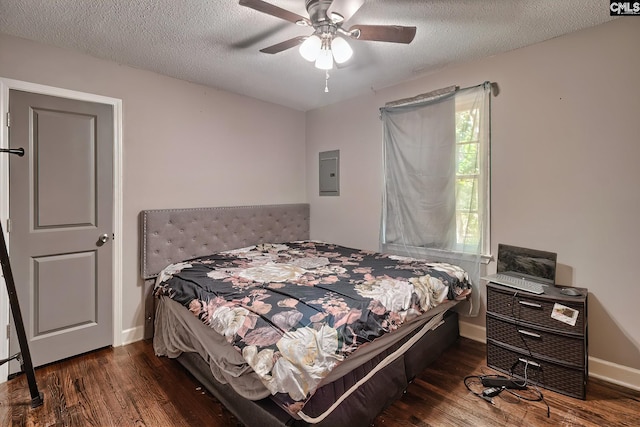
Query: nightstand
{"points": [[540, 337]]}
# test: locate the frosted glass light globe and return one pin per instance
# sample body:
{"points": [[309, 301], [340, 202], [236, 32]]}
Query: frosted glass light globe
{"points": [[325, 60], [310, 48], [341, 50]]}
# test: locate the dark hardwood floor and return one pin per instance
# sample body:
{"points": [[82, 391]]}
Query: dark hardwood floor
{"points": [[130, 386]]}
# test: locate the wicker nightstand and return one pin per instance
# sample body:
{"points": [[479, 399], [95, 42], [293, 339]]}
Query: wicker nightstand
{"points": [[533, 335]]}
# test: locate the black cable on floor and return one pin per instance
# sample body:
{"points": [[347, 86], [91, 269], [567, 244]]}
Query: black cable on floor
{"points": [[488, 393]]}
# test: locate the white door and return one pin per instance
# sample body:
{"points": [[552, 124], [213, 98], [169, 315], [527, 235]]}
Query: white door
{"points": [[61, 223]]}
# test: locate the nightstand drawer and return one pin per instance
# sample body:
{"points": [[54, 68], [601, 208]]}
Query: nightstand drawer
{"points": [[552, 376], [570, 350], [533, 309]]}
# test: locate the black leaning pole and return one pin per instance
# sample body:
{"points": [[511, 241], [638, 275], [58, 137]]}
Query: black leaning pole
{"points": [[24, 356]]}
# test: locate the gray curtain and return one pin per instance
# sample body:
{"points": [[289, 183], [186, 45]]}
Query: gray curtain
{"points": [[425, 213]]}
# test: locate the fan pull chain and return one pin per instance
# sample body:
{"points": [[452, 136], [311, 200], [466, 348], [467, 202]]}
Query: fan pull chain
{"points": [[326, 81]]}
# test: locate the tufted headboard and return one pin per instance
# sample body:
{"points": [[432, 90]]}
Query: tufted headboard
{"points": [[173, 235], [168, 236]]}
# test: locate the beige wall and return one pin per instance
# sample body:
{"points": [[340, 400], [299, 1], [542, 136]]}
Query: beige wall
{"points": [[565, 174], [184, 145]]}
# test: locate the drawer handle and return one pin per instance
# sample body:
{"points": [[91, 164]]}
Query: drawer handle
{"points": [[530, 304], [529, 362], [529, 334]]}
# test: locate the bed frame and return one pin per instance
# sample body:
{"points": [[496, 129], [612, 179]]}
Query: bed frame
{"points": [[174, 235]]}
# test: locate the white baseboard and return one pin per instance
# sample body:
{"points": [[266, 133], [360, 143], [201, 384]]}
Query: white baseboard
{"points": [[614, 373], [132, 335], [601, 369], [473, 332]]}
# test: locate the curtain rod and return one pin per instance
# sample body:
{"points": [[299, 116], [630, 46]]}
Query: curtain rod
{"points": [[430, 96]]}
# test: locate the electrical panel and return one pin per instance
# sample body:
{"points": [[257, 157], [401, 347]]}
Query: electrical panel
{"points": [[329, 173]]}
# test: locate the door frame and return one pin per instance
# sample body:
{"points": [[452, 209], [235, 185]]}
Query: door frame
{"points": [[6, 85]]}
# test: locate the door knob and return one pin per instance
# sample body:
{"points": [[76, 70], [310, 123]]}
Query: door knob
{"points": [[104, 238]]}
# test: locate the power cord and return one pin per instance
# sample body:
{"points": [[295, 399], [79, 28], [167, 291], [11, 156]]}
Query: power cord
{"points": [[488, 393], [475, 382]]}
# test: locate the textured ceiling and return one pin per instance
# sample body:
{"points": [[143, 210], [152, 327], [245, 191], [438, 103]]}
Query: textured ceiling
{"points": [[216, 42]]}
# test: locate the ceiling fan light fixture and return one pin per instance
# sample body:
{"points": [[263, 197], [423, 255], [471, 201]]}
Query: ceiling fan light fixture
{"points": [[310, 48], [325, 59], [341, 50], [323, 47]]}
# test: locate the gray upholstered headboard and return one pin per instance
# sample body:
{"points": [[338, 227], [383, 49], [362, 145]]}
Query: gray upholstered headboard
{"points": [[173, 235], [168, 236]]}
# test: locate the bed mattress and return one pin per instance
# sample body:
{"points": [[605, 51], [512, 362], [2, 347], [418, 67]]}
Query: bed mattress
{"points": [[290, 318]]}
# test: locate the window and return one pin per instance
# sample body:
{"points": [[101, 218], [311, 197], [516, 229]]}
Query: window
{"points": [[436, 172], [436, 178], [468, 228]]}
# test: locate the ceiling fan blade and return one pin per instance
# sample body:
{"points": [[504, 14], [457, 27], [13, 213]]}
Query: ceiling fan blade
{"points": [[273, 10], [287, 44], [383, 33], [345, 8]]}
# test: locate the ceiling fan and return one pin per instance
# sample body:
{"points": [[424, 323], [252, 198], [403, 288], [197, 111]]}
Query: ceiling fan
{"points": [[327, 17]]}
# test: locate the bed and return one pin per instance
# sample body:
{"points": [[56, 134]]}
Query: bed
{"points": [[377, 322]]}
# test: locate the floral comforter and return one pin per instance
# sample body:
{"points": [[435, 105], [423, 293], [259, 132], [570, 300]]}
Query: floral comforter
{"points": [[296, 310]]}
